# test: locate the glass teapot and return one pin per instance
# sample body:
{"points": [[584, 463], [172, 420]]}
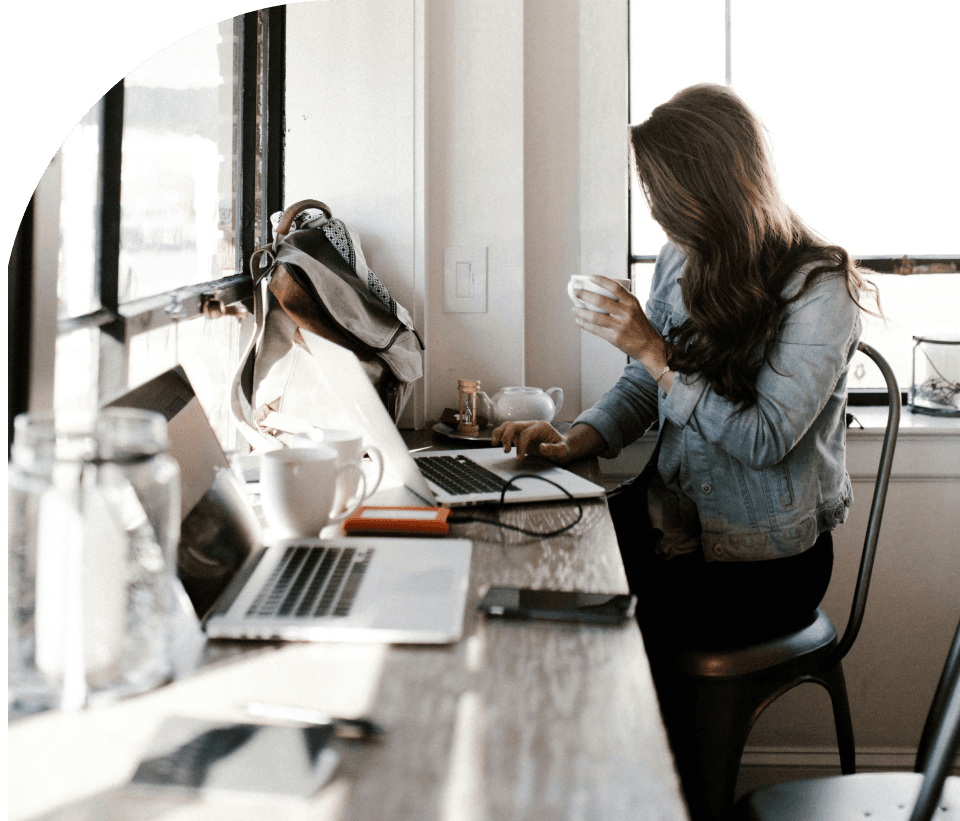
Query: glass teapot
{"points": [[517, 404]]}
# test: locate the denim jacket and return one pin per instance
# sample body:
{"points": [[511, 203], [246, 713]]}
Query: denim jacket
{"points": [[767, 481]]}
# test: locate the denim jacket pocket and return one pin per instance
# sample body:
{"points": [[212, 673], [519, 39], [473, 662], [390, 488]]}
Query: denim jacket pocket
{"points": [[783, 485]]}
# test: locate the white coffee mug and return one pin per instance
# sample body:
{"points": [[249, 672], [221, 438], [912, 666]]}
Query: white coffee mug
{"points": [[299, 489], [350, 449], [583, 282]]}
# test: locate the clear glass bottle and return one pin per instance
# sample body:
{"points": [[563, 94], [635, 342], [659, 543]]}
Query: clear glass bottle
{"points": [[94, 521]]}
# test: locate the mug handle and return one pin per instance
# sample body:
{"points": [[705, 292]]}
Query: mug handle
{"points": [[376, 456], [354, 503]]}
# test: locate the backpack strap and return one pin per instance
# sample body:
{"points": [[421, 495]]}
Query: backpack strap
{"points": [[240, 405]]}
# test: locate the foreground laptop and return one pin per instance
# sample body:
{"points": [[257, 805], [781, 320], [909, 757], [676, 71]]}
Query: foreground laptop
{"points": [[354, 405], [352, 589]]}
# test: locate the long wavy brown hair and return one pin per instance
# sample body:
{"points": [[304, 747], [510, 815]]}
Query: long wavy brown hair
{"points": [[705, 168]]}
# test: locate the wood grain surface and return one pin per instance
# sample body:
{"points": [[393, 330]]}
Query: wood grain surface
{"points": [[519, 720]]}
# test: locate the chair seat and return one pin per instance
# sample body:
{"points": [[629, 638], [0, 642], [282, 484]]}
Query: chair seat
{"points": [[819, 636], [873, 796]]}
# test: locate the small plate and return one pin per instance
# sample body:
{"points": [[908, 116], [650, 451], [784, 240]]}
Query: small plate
{"points": [[446, 430]]}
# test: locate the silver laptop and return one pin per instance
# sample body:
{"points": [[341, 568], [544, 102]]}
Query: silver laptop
{"points": [[360, 589], [354, 405]]}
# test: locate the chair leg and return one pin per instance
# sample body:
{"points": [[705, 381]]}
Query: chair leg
{"points": [[708, 725], [835, 684]]}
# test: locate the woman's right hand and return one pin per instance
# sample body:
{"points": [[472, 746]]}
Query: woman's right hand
{"points": [[535, 438]]}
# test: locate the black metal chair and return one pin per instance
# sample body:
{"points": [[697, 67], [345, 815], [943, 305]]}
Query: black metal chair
{"points": [[916, 796], [721, 692]]}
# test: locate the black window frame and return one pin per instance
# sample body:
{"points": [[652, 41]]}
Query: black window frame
{"points": [[259, 63]]}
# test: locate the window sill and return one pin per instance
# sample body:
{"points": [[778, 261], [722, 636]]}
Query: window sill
{"points": [[874, 421]]}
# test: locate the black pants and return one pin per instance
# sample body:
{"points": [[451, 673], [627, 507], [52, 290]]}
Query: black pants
{"points": [[689, 600]]}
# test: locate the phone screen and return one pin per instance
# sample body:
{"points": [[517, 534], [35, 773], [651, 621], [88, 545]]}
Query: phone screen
{"points": [[564, 605]]}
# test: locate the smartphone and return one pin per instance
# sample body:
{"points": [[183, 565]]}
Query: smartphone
{"points": [[559, 605]]}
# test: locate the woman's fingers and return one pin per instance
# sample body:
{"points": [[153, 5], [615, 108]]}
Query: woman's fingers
{"points": [[531, 437], [526, 437], [506, 434], [604, 303], [625, 325], [611, 285], [557, 452]]}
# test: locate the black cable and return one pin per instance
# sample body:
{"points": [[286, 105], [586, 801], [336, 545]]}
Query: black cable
{"points": [[503, 494]]}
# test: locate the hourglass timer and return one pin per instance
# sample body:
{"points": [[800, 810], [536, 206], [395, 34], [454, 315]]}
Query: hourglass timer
{"points": [[467, 424]]}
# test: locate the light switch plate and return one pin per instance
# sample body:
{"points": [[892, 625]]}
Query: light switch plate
{"points": [[464, 280]]}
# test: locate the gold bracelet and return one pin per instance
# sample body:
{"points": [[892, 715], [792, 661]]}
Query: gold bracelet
{"points": [[663, 373]]}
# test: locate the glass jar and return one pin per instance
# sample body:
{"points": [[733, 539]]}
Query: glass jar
{"points": [[936, 373], [94, 520]]}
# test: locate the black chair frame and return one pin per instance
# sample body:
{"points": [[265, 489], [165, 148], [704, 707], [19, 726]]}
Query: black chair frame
{"points": [[880, 794], [723, 691]]}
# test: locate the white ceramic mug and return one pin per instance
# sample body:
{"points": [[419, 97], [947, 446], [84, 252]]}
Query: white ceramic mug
{"points": [[300, 487], [583, 282], [350, 449]]}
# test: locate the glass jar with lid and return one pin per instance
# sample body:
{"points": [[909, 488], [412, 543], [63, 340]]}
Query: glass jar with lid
{"points": [[93, 526]]}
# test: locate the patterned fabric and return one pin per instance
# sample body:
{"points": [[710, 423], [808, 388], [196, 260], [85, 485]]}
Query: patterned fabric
{"points": [[338, 234], [379, 290]]}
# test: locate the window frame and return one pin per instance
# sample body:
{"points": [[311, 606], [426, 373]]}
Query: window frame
{"points": [[259, 63]]}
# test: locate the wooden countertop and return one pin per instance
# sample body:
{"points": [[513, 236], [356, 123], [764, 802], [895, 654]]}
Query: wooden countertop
{"points": [[519, 720]]}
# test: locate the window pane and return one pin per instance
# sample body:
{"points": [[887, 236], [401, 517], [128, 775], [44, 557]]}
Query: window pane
{"points": [[79, 176], [861, 101], [178, 166], [75, 372], [208, 350], [672, 45], [911, 305]]}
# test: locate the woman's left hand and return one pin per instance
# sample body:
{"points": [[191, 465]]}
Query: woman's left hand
{"points": [[625, 325]]}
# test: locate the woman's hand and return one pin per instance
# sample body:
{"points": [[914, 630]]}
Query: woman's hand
{"points": [[533, 438], [624, 326]]}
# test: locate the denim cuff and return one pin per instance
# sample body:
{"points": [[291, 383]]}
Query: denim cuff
{"points": [[604, 424]]}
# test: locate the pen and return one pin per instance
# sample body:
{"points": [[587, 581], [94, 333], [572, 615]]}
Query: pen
{"points": [[356, 728]]}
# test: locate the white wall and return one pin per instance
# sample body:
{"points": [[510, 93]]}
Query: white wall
{"points": [[475, 189], [354, 136], [495, 124]]}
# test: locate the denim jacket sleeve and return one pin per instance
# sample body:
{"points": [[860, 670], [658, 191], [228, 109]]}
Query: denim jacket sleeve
{"points": [[625, 411], [819, 332]]}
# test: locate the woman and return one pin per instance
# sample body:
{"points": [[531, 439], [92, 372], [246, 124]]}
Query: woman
{"points": [[741, 356]]}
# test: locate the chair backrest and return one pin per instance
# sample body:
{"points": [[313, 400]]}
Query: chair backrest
{"points": [[876, 506], [940, 742]]}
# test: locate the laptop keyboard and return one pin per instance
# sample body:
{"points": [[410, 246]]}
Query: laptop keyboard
{"points": [[311, 581], [460, 475]]}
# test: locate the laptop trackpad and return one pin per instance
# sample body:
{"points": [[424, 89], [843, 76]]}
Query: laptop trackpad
{"points": [[430, 582]]}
